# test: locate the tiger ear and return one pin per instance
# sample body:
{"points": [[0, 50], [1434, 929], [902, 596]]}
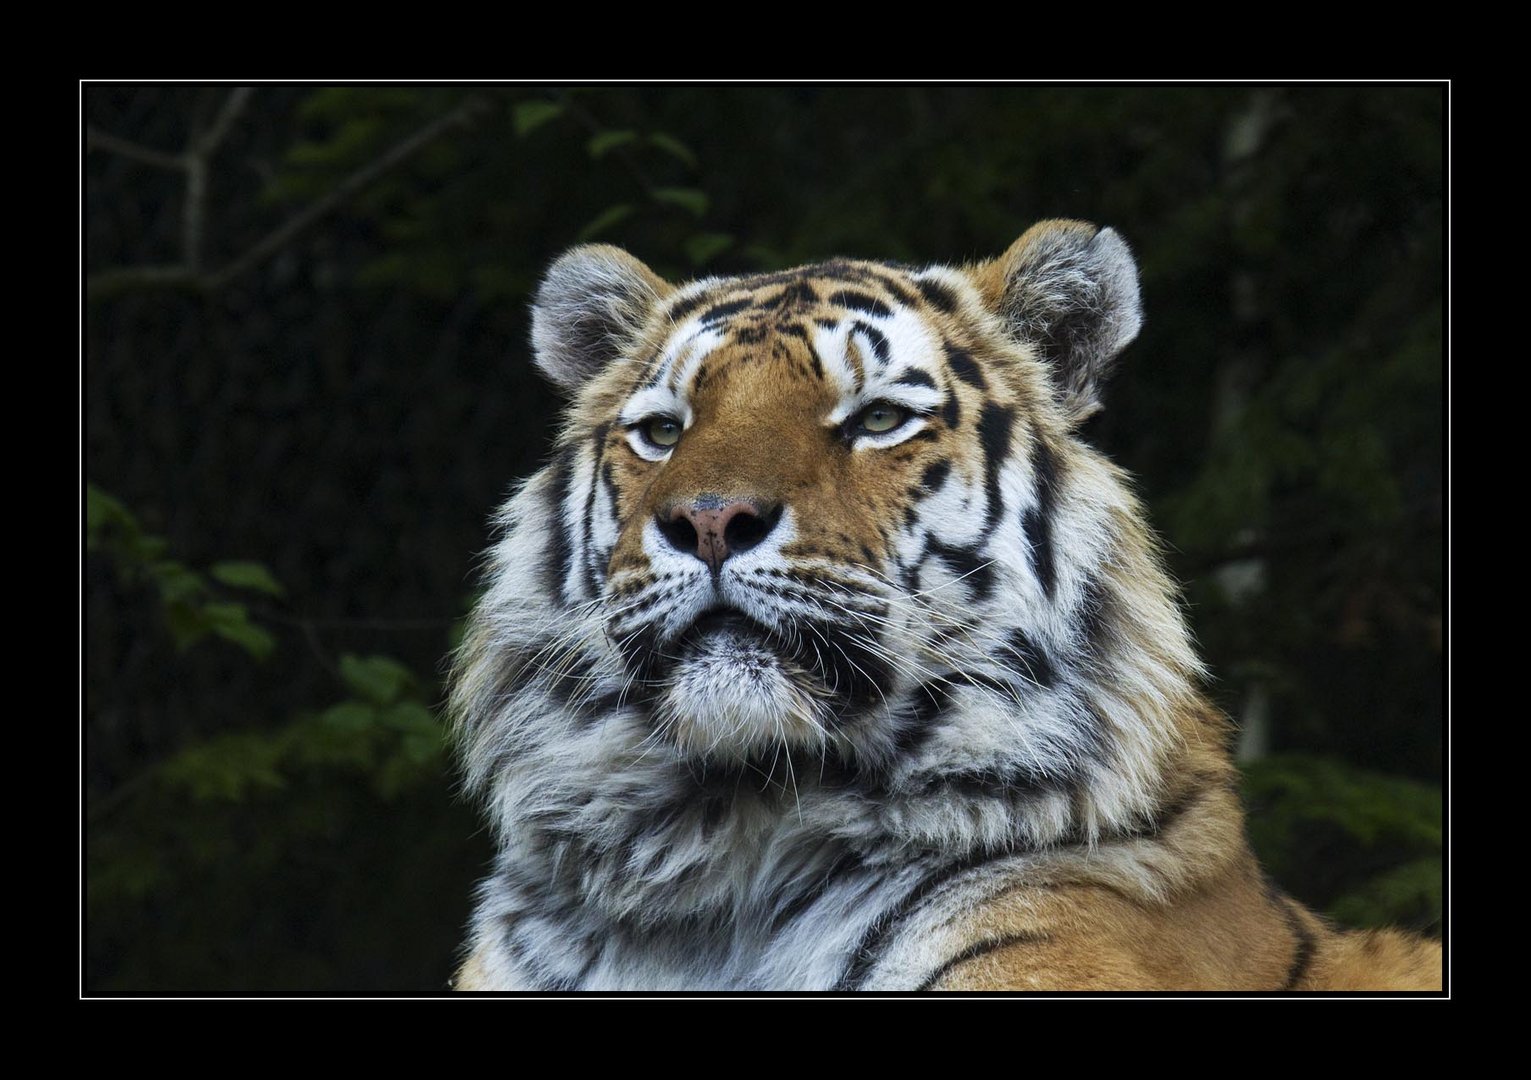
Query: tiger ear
{"points": [[1071, 291], [592, 304]]}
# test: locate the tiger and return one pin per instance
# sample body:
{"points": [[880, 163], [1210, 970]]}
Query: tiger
{"points": [[825, 654]]}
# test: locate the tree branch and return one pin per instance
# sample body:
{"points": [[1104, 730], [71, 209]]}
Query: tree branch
{"points": [[100, 140], [233, 105], [199, 156], [592, 125], [284, 234], [126, 278], [189, 274]]}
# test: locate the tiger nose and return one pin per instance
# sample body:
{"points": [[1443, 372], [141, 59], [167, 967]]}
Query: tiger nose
{"points": [[712, 529]]}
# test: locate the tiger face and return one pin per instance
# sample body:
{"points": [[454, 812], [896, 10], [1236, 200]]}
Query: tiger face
{"points": [[803, 507], [762, 462]]}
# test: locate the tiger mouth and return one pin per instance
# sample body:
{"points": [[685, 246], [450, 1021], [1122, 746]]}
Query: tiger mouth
{"points": [[819, 658], [718, 625]]}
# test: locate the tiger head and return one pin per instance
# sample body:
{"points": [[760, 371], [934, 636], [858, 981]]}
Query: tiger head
{"points": [[811, 516]]}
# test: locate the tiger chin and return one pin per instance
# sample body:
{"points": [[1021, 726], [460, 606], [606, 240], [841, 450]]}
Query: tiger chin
{"points": [[825, 655]]}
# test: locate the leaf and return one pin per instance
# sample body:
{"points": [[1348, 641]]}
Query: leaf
{"points": [[247, 575], [225, 614], [702, 247], [226, 767], [604, 142], [605, 220], [178, 584], [349, 716], [376, 678], [531, 115], [101, 511], [1408, 894], [421, 749], [686, 198], [232, 623], [255, 641], [674, 147], [411, 717], [145, 548]]}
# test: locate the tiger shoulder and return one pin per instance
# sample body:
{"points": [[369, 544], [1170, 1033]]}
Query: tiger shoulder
{"points": [[824, 654]]}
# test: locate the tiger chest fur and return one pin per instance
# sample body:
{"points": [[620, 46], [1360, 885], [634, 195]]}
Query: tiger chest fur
{"points": [[825, 655]]}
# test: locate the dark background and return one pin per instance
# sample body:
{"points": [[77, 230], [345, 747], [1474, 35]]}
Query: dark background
{"points": [[307, 385]]}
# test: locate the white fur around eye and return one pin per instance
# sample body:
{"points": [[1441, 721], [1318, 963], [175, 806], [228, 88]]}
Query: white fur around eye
{"points": [[646, 449], [912, 426]]}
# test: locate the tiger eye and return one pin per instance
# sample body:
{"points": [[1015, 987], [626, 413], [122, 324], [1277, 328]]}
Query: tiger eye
{"points": [[662, 431], [881, 418]]}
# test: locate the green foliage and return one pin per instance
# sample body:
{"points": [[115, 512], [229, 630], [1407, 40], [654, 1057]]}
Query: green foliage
{"points": [[191, 607], [232, 623], [528, 116], [247, 575], [606, 220], [376, 678], [157, 838], [1364, 846], [686, 198], [604, 142], [702, 248], [675, 148], [1409, 895]]}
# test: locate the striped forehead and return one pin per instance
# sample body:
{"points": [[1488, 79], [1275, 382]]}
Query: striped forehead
{"points": [[856, 328]]}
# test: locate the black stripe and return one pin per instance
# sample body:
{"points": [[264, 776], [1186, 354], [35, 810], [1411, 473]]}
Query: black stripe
{"points": [[881, 935], [941, 298], [860, 301], [611, 494], [1037, 521], [1305, 945], [874, 943], [587, 527], [598, 708], [818, 365], [799, 294], [682, 308], [723, 311], [556, 568], [964, 367], [1095, 616], [982, 948], [983, 784], [951, 411], [1035, 663], [653, 371], [840, 270], [929, 701], [969, 564], [1163, 817], [935, 475], [916, 377], [894, 286], [875, 336], [994, 428], [844, 863]]}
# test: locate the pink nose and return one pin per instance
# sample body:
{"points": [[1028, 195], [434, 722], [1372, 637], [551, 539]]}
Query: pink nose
{"points": [[712, 529]]}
